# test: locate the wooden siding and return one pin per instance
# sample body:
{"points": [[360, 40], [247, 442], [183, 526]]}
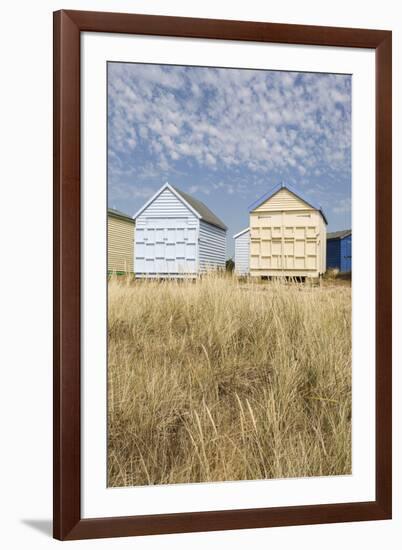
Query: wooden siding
{"points": [[334, 254], [212, 246], [323, 244], [166, 217], [166, 247], [172, 241], [120, 244], [287, 238], [346, 254], [339, 254], [242, 253], [283, 200], [166, 205]]}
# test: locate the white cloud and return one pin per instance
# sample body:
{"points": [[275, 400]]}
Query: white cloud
{"points": [[193, 189], [224, 119]]}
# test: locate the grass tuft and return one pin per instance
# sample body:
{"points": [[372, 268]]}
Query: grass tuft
{"points": [[216, 379]]}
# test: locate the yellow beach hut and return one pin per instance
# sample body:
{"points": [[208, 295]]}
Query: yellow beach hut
{"points": [[287, 235]]}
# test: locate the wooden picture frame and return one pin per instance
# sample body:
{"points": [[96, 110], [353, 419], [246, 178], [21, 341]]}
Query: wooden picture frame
{"points": [[68, 523]]}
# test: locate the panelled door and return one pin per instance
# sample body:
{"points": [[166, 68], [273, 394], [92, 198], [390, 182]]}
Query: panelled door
{"points": [[284, 242], [346, 250], [166, 246]]}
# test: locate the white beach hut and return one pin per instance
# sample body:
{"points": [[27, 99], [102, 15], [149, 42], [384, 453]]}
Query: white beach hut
{"points": [[177, 236], [242, 252]]}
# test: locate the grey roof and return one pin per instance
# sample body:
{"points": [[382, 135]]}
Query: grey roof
{"points": [[202, 209], [339, 234], [119, 214]]}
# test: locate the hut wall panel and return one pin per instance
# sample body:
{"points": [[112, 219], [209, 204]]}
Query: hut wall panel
{"points": [[287, 242], [120, 245], [346, 254], [166, 205], [212, 246], [334, 253], [283, 200], [323, 245], [166, 239], [242, 253], [339, 253], [172, 241]]}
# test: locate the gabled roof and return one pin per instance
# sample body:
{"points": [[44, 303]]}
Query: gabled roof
{"points": [[196, 206], [206, 214], [119, 214], [339, 234], [241, 232], [276, 190]]}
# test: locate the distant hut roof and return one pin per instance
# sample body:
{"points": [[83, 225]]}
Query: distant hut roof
{"points": [[119, 214], [241, 233], [339, 234]]}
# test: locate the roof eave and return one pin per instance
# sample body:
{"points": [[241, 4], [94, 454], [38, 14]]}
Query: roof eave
{"points": [[156, 195], [265, 197], [339, 237], [120, 216], [218, 223], [324, 217], [241, 233], [223, 227]]}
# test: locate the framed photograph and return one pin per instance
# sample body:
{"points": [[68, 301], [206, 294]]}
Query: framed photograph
{"points": [[216, 366]]}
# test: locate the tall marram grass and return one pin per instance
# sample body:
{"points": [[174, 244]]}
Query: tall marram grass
{"points": [[217, 380]]}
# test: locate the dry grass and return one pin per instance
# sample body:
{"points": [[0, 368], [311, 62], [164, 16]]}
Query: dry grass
{"points": [[216, 380]]}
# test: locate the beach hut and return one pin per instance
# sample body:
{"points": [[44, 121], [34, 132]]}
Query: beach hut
{"points": [[120, 242], [287, 235], [339, 250], [242, 252], [177, 236]]}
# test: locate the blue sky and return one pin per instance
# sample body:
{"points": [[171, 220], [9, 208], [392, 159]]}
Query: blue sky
{"points": [[227, 136]]}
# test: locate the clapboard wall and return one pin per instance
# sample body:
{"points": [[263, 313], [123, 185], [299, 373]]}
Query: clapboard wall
{"points": [[120, 234], [172, 238], [287, 236], [212, 247], [339, 251], [242, 252]]}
